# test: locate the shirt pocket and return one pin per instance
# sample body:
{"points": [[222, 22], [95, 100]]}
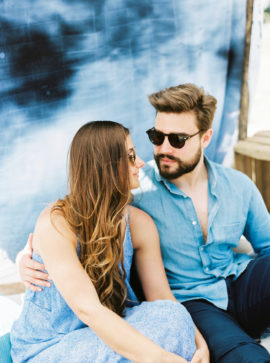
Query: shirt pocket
{"points": [[228, 235]]}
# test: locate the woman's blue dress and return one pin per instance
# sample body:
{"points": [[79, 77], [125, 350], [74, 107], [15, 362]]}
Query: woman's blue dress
{"points": [[48, 330]]}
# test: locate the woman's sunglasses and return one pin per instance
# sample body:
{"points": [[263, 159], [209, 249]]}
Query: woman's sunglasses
{"points": [[132, 156], [176, 140]]}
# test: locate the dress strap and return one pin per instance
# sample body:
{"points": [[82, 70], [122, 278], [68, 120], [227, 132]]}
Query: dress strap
{"points": [[126, 217]]}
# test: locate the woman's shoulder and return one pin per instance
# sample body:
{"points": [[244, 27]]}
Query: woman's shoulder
{"points": [[49, 215], [52, 224], [141, 221], [138, 215]]}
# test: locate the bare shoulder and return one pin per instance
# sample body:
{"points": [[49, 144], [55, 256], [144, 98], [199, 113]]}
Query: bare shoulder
{"points": [[48, 217], [52, 225], [44, 219], [142, 227], [139, 217]]}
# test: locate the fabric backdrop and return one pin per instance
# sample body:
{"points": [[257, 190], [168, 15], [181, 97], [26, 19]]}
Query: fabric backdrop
{"points": [[66, 62]]}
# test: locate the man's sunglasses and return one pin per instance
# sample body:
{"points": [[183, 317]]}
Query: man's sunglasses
{"points": [[176, 140], [132, 156]]}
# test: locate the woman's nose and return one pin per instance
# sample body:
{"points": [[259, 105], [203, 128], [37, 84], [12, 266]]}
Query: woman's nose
{"points": [[139, 162]]}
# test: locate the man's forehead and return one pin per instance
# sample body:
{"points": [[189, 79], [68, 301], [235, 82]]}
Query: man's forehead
{"points": [[184, 122]]}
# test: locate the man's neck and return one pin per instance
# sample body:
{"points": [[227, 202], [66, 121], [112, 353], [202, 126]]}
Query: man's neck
{"points": [[194, 179]]}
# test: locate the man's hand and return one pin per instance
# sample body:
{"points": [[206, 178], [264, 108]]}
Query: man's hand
{"points": [[29, 269], [201, 356]]}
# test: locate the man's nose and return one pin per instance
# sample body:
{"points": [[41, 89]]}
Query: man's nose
{"points": [[165, 147]]}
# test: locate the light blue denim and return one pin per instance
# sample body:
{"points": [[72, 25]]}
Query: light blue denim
{"points": [[48, 331], [195, 269]]}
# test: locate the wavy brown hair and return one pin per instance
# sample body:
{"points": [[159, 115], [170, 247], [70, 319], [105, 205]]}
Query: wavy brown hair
{"points": [[183, 98], [99, 193]]}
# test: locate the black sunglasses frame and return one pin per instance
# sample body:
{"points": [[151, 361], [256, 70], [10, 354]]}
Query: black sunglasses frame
{"points": [[176, 140]]}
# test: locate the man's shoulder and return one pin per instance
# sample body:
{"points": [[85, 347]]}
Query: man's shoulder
{"points": [[229, 173]]}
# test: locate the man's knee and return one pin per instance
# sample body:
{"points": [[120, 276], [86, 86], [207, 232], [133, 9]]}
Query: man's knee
{"points": [[243, 352], [227, 341]]}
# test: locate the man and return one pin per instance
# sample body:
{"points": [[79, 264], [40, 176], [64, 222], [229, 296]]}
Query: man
{"points": [[201, 210]]}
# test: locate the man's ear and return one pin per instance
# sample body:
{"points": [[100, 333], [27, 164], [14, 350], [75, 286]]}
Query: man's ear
{"points": [[206, 137]]}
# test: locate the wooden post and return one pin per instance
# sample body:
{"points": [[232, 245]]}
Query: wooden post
{"points": [[252, 157], [244, 104]]}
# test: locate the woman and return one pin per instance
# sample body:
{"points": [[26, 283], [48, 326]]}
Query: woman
{"points": [[86, 241]]}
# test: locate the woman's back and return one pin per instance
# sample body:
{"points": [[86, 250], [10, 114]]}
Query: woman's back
{"points": [[46, 316]]}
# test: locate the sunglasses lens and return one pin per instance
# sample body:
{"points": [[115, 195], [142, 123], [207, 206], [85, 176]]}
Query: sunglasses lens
{"points": [[155, 137], [176, 141], [158, 138], [132, 159]]}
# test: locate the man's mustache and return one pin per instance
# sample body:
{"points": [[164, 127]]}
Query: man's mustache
{"points": [[162, 156]]}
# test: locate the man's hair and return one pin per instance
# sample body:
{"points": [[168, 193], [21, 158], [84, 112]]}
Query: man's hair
{"points": [[184, 98]]}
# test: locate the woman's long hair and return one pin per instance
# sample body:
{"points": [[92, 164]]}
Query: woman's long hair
{"points": [[99, 193]]}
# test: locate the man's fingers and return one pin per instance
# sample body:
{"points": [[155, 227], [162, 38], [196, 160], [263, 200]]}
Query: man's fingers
{"points": [[30, 241], [35, 281], [197, 358], [36, 276], [34, 265], [41, 275], [32, 287]]}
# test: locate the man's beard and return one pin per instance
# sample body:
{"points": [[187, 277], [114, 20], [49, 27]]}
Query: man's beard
{"points": [[182, 167]]}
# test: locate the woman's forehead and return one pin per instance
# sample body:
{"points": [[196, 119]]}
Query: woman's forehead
{"points": [[129, 143]]}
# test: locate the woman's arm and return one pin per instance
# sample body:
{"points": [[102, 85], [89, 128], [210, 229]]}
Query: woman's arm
{"points": [[151, 270], [149, 264], [57, 247]]}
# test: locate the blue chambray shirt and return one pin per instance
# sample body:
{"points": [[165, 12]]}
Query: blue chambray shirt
{"points": [[195, 269]]}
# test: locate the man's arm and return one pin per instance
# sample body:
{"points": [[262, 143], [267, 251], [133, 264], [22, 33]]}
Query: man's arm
{"points": [[31, 272], [257, 229]]}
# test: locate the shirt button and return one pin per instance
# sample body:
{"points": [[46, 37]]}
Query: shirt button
{"points": [[201, 248], [206, 269], [194, 223]]}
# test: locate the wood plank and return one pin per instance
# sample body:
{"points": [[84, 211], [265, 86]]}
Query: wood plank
{"points": [[254, 150], [239, 161], [259, 139], [10, 282], [263, 133], [265, 167], [259, 175], [12, 288], [249, 167]]}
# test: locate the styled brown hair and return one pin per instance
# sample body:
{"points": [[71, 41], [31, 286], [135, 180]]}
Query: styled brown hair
{"points": [[99, 193], [183, 98]]}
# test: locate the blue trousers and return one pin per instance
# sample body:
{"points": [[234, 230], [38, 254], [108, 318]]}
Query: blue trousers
{"points": [[229, 333]]}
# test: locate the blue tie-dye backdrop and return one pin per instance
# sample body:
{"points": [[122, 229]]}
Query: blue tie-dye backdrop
{"points": [[65, 62]]}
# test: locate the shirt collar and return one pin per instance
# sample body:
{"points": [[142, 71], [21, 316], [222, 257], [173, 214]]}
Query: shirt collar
{"points": [[212, 174]]}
